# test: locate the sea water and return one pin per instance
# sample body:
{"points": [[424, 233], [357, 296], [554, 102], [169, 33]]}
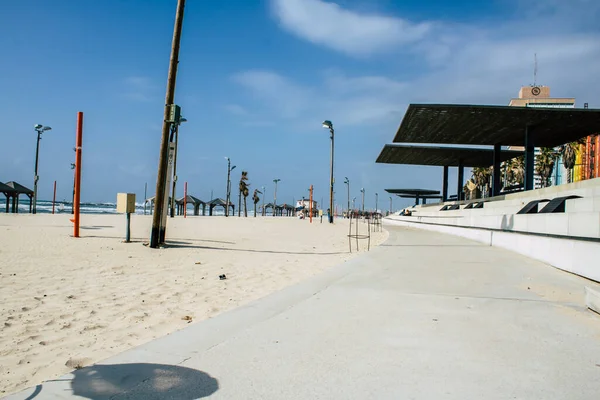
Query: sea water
{"points": [[62, 207]]}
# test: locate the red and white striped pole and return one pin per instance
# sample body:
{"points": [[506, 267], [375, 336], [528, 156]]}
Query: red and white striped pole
{"points": [[78, 173]]}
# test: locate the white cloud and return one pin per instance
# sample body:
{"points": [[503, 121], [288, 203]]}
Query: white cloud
{"points": [[460, 64], [328, 24], [286, 97]]}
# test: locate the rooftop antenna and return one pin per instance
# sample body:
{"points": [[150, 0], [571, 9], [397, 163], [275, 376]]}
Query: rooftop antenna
{"points": [[535, 65]]}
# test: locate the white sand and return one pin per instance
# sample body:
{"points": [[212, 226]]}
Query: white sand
{"points": [[77, 301]]}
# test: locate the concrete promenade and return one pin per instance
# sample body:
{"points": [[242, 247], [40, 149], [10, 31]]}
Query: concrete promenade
{"points": [[424, 316]]}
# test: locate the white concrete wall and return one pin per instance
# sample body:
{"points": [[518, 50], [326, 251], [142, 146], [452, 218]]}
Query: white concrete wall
{"points": [[577, 256], [578, 224]]}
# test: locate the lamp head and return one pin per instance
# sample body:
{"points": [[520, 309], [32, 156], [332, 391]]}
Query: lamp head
{"points": [[46, 128], [232, 168], [37, 126], [327, 124], [182, 120]]}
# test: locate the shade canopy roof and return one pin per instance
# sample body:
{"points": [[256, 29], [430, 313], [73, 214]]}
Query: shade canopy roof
{"points": [[190, 200], [219, 202], [489, 125], [7, 189], [415, 192], [445, 156], [19, 189], [413, 196]]}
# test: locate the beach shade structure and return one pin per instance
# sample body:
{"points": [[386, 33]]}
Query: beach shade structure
{"points": [[9, 193], [285, 209], [189, 199], [18, 190], [267, 206], [150, 201], [218, 202], [417, 194], [423, 198], [483, 125]]}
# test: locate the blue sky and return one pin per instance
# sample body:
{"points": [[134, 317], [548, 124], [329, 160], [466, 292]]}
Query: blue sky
{"points": [[256, 78]]}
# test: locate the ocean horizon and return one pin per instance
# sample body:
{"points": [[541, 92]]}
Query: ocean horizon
{"points": [[64, 207]]}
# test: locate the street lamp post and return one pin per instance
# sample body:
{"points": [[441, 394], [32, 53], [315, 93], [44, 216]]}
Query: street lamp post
{"points": [[228, 191], [39, 129], [275, 196], [73, 198], [353, 202], [264, 193], [175, 139], [363, 199], [347, 182], [376, 202], [329, 125], [391, 205]]}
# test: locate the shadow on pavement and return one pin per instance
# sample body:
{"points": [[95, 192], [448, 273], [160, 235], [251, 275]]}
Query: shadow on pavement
{"points": [[139, 381]]}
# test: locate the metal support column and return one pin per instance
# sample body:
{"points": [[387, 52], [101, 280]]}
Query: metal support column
{"points": [[496, 172], [445, 185], [461, 178], [529, 159]]}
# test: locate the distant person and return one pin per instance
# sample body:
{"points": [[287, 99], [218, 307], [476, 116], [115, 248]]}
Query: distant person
{"points": [[329, 216]]}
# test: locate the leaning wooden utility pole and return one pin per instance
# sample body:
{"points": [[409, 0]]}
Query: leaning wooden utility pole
{"points": [[161, 179]]}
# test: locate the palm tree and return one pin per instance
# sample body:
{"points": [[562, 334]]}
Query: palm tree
{"points": [[545, 164], [256, 199], [244, 189], [517, 170], [470, 190], [569, 154], [481, 177]]}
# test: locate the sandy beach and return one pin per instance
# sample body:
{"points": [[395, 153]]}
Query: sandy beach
{"points": [[67, 303]]}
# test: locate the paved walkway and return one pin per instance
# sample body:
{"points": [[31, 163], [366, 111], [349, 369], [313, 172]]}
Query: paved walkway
{"points": [[425, 316]]}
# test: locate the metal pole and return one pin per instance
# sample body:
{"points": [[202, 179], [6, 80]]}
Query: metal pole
{"points": [[391, 209], [163, 222], [227, 193], [348, 183], [331, 179], [78, 145], [363, 200], [35, 176], [275, 197], [54, 197], [145, 196], [310, 204], [376, 202], [73, 197], [161, 178], [174, 170], [128, 232]]}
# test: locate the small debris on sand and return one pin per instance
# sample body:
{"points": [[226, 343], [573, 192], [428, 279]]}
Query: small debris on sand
{"points": [[78, 362]]}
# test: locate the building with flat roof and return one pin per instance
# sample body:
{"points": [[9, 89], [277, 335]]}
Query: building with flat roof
{"points": [[539, 97]]}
